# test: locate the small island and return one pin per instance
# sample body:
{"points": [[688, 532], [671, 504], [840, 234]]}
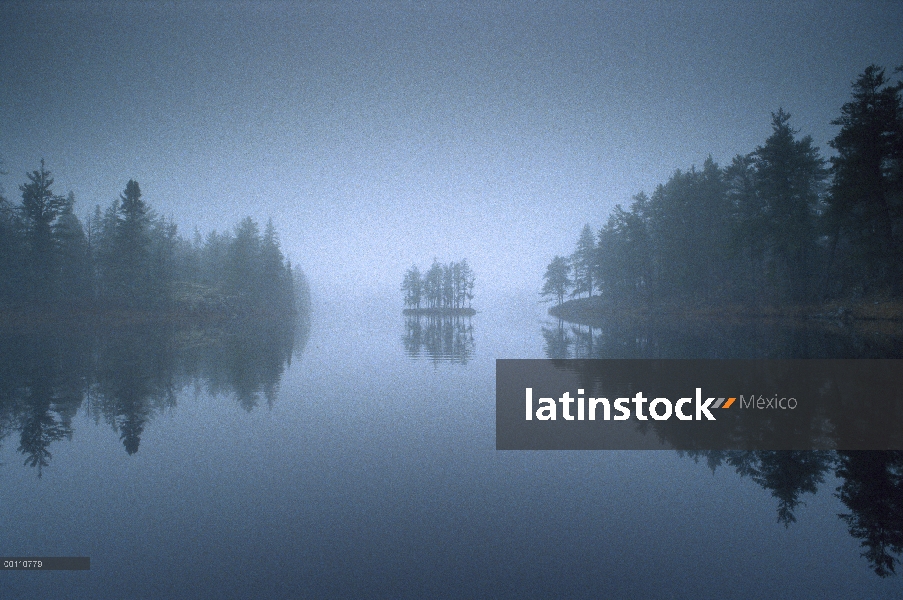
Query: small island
{"points": [[445, 290]]}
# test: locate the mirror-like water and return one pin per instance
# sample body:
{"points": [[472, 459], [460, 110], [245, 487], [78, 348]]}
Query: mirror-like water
{"points": [[199, 463]]}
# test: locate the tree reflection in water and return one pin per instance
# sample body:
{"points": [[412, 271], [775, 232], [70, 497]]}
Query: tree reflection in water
{"points": [[124, 376], [664, 337], [441, 338], [871, 482], [871, 489]]}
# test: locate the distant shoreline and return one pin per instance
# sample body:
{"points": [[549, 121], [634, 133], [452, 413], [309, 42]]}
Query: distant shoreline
{"points": [[595, 311], [37, 319], [439, 312], [188, 304]]}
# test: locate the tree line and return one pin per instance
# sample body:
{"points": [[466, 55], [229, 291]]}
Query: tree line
{"points": [[127, 256], [780, 224], [446, 287]]}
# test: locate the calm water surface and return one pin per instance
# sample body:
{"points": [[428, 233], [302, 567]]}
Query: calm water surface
{"points": [[209, 467]]}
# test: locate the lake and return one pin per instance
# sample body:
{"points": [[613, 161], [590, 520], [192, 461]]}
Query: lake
{"points": [[191, 464]]}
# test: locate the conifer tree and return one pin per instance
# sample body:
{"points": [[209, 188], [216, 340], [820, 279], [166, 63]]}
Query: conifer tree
{"points": [[865, 205], [39, 210], [128, 254], [789, 178], [557, 279], [583, 262]]}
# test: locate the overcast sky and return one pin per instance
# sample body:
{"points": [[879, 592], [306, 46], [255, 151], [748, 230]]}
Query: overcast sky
{"points": [[377, 135]]}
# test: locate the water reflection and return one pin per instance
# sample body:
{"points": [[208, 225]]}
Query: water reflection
{"points": [[871, 489], [439, 338], [750, 338], [871, 482], [125, 375]]}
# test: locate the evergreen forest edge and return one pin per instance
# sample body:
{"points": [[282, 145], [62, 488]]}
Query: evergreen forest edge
{"points": [[779, 231], [130, 263]]}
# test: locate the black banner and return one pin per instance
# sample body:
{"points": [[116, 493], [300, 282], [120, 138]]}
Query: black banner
{"points": [[699, 404]]}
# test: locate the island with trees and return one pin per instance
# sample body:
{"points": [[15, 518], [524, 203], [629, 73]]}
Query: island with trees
{"points": [[444, 290], [779, 232]]}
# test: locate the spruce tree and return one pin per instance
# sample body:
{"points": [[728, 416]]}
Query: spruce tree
{"points": [[865, 205], [39, 210], [790, 174]]}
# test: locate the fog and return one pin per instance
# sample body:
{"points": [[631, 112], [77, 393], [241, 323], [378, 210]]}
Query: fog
{"points": [[381, 135]]}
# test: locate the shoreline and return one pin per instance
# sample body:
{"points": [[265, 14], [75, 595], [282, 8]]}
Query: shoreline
{"points": [[439, 312], [595, 311]]}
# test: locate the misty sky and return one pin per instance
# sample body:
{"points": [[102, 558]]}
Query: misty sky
{"points": [[377, 135]]}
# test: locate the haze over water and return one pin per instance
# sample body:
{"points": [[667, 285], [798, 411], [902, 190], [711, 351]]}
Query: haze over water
{"points": [[381, 135], [374, 473], [352, 454]]}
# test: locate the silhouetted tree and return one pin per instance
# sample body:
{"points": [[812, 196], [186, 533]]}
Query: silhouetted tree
{"points": [[624, 254], [789, 176], [275, 277], [39, 211], [255, 274], [557, 279], [244, 248], [688, 224], [130, 276], [865, 206], [715, 234], [412, 286], [747, 246], [161, 268], [583, 261]]}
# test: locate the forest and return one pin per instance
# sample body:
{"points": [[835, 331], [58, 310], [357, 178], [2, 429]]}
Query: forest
{"points": [[779, 226], [129, 259], [444, 289]]}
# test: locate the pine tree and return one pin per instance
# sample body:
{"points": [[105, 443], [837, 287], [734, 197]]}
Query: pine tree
{"points": [[433, 285], [39, 210], [624, 256], [865, 205], [129, 274], [243, 260], [557, 279], [412, 286], [277, 283], [583, 262], [789, 178]]}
